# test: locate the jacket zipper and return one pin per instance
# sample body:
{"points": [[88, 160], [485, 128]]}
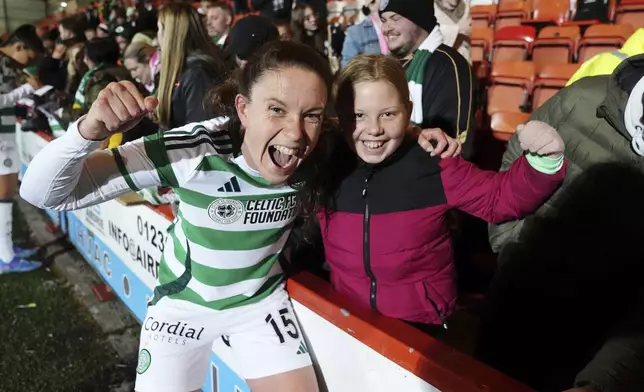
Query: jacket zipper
{"points": [[438, 312], [365, 243]]}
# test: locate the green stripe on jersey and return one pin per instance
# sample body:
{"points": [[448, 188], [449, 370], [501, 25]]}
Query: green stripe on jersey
{"points": [[222, 277], [121, 166], [155, 150], [166, 276]]}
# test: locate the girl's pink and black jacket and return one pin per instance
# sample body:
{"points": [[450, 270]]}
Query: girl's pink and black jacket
{"points": [[386, 238]]}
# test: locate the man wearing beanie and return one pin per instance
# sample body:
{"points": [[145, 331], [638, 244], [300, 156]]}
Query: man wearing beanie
{"points": [[440, 80]]}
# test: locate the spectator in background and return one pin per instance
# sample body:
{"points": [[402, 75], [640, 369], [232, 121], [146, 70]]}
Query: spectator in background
{"points": [[143, 38], [191, 64], [219, 18], [366, 36], [147, 20], [605, 63], [247, 36], [304, 23], [284, 30], [102, 56], [59, 69], [273, 9], [137, 60], [90, 33], [117, 17], [319, 9], [49, 41], [102, 31], [123, 35], [454, 19], [440, 79], [72, 30], [19, 50]]}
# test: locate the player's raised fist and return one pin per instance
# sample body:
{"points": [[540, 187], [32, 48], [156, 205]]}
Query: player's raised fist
{"points": [[118, 108]]}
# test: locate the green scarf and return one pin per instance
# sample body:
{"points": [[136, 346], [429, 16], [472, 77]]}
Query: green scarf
{"points": [[416, 73], [79, 98]]}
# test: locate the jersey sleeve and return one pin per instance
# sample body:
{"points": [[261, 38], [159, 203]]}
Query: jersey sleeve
{"points": [[173, 156]]}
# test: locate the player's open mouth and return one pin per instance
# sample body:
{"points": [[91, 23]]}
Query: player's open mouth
{"points": [[283, 157]]}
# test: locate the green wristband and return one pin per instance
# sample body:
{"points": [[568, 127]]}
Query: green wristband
{"points": [[545, 164]]}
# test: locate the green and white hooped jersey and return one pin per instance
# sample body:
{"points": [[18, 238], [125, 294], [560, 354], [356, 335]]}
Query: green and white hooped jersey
{"points": [[223, 248]]}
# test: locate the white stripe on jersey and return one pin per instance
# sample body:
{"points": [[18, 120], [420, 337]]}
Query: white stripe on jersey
{"points": [[215, 293], [208, 183]]}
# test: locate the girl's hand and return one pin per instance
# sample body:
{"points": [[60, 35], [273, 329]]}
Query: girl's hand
{"points": [[118, 108], [540, 138], [449, 147]]}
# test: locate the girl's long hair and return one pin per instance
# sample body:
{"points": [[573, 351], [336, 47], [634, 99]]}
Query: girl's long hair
{"points": [[299, 33], [184, 33]]}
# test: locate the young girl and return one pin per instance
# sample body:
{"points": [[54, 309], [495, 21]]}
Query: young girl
{"points": [[383, 214], [219, 273]]}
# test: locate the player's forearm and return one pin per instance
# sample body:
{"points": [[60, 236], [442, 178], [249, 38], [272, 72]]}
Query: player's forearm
{"points": [[69, 174]]}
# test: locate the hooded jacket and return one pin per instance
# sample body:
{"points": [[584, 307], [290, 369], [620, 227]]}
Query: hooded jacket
{"points": [[385, 233], [528, 324], [589, 116]]}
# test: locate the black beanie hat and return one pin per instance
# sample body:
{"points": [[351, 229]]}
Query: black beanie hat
{"points": [[421, 12]]}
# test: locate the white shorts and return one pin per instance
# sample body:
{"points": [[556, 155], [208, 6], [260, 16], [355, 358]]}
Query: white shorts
{"points": [[177, 338], [9, 158]]}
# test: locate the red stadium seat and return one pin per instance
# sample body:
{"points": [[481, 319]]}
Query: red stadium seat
{"points": [[630, 12], [504, 124], [481, 43], [512, 13], [557, 11], [602, 38], [555, 44], [482, 16], [550, 80], [513, 43], [510, 85]]}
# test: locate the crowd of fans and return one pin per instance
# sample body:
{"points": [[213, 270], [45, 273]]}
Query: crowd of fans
{"points": [[379, 194]]}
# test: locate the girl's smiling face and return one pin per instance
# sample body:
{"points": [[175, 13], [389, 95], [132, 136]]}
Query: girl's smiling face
{"points": [[381, 119]]}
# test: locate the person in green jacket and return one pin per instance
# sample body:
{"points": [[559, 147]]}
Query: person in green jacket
{"points": [[565, 307]]}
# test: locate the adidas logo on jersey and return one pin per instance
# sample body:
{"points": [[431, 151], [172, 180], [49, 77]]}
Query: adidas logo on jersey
{"points": [[231, 186], [303, 349]]}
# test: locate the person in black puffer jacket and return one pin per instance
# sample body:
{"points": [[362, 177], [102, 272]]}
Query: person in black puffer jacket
{"points": [[191, 66]]}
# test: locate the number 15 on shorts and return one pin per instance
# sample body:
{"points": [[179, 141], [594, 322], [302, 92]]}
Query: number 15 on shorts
{"points": [[287, 325]]}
